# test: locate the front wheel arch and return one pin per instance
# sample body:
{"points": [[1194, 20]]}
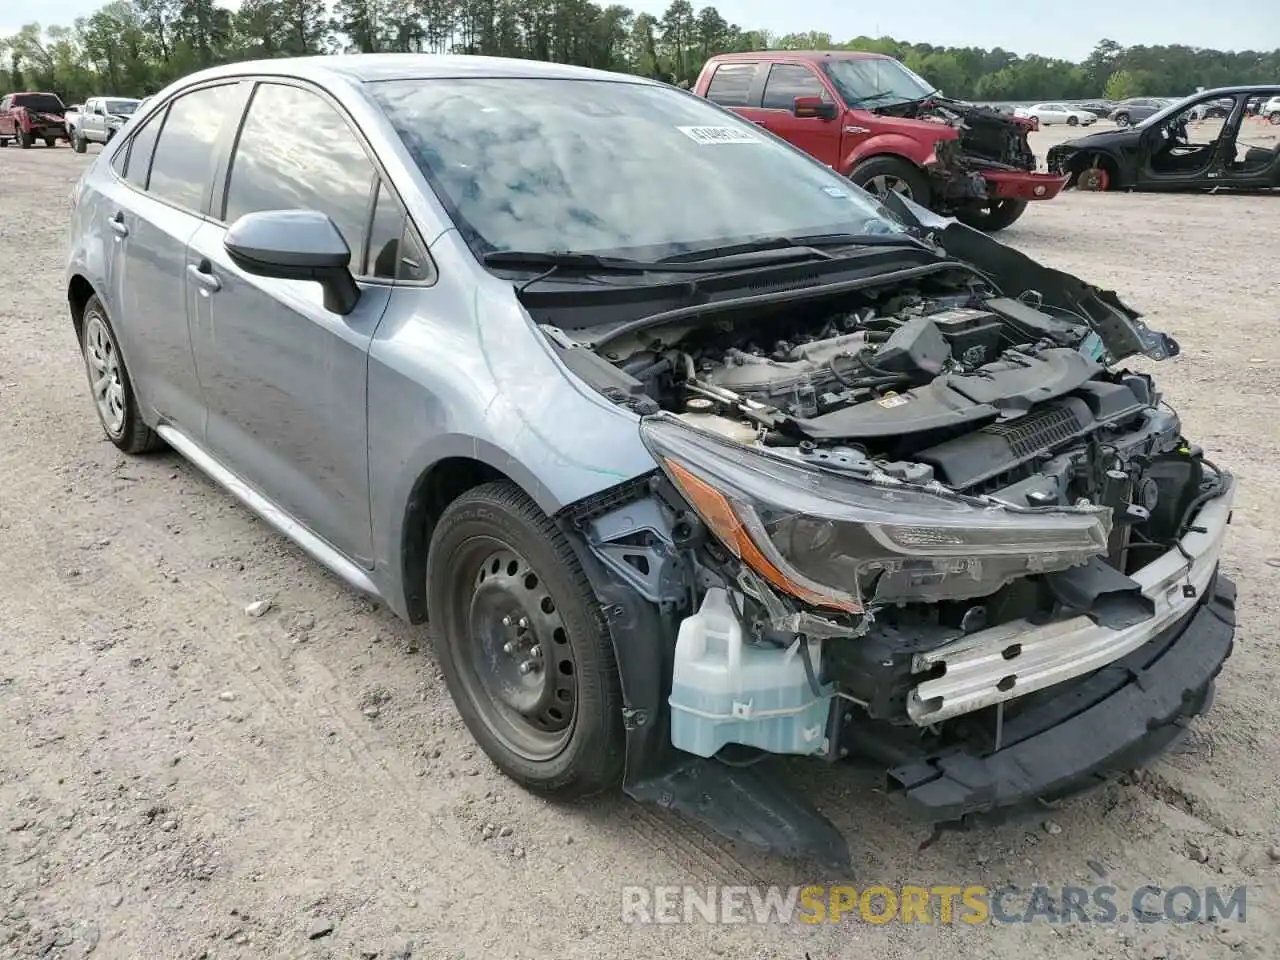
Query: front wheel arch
{"points": [[438, 486]]}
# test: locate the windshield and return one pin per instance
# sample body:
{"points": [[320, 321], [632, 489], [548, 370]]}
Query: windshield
{"points": [[38, 101], [876, 81], [121, 108], [1174, 107], [621, 168]]}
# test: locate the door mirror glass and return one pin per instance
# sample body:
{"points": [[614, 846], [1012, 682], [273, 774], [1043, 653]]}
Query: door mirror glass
{"points": [[814, 107], [295, 245]]}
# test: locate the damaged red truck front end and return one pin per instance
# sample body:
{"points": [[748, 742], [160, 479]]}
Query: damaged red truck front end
{"points": [[887, 129]]}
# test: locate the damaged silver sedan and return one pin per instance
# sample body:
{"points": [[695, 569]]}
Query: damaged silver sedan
{"points": [[694, 453]]}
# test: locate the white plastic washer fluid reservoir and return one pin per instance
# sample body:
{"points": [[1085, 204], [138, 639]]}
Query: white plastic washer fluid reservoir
{"points": [[725, 690]]}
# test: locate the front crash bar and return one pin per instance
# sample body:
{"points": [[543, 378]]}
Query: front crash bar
{"points": [[1019, 657]]}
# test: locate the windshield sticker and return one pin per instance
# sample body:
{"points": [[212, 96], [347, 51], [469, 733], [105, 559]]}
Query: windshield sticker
{"points": [[893, 400], [836, 192], [706, 135]]}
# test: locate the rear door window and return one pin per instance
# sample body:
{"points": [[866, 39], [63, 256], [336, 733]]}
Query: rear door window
{"points": [[137, 158], [185, 156], [312, 162], [788, 81], [730, 85]]}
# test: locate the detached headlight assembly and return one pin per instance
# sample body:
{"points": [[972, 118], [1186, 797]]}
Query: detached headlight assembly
{"points": [[837, 542]]}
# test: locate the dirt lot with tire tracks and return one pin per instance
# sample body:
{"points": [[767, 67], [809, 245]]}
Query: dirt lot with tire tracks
{"points": [[178, 779]]}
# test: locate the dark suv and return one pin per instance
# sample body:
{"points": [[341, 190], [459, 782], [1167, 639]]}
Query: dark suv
{"points": [[28, 117]]}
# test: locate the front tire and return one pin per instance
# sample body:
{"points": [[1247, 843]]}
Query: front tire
{"points": [[882, 175], [110, 386], [1274, 118], [1073, 121], [996, 215], [25, 139], [523, 645], [50, 141]]}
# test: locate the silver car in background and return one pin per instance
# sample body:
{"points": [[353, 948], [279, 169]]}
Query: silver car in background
{"points": [[691, 449]]}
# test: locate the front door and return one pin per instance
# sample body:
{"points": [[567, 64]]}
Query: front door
{"points": [[816, 136], [284, 378]]}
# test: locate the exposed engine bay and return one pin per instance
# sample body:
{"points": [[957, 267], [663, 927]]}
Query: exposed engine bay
{"points": [[982, 394], [992, 137]]}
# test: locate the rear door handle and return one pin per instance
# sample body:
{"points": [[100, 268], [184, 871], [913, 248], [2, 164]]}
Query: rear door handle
{"points": [[202, 274], [117, 224]]}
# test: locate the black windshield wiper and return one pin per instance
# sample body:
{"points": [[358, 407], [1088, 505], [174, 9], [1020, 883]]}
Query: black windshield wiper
{"points": [[704, 261], [810, 244]]}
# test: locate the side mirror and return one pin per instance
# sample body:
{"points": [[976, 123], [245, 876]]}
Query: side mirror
{"points": [[295, 245], [814, 107]]}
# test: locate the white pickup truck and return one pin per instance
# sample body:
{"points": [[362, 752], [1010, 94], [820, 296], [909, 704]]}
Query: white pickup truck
{"points": [[99, 119]]}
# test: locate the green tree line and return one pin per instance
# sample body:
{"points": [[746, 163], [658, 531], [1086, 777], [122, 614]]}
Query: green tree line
{"points": [[137, 46]]}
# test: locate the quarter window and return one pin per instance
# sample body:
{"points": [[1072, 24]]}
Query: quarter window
{"points": [[788, 81], [730, 85], [296, 152], [183, 164]]}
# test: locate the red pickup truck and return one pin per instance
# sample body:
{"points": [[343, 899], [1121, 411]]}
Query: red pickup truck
{"points": [[878, 123], [28, 117]]}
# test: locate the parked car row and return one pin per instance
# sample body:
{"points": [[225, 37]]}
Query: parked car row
{"points": [[31, 116]]}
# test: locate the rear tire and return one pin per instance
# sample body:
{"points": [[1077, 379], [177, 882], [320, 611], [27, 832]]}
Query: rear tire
{"points": [[878, 175], [523, 645], [115, 401], [997, 215]]}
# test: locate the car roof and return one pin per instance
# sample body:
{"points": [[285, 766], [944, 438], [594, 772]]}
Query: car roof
{"points": [[813, 56], [369, 67]]}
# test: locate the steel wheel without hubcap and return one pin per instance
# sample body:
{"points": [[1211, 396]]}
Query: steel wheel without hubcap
{"points": [[516, 661], [103, 360]]}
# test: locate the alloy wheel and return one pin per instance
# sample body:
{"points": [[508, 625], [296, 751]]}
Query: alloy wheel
{"points": [[103, 361], [887, 183]]}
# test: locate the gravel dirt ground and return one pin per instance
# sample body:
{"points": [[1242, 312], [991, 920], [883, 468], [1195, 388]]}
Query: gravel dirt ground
{"points": [[179, 779]]}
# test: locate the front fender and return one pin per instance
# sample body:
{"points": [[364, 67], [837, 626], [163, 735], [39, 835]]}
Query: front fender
{"points": [[891, 144]]}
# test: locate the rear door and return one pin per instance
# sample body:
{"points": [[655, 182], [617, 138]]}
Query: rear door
{"points": [[283, 377], [816, 136], [162, 179], [737, 86]]}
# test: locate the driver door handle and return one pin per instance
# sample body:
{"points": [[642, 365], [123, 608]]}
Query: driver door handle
{"points": [[202, 275], [117, 224]]}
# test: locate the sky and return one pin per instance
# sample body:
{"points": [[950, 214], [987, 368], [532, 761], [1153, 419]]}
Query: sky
{"points": [[1053, 29]]}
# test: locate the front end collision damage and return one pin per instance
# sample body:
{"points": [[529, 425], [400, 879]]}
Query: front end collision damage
{"points": [[1092, 694]]}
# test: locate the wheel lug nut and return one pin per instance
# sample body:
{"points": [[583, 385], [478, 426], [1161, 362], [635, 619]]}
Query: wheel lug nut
{"points": [[535, 651], [508, 648], [526, 666], [524, 623], [506, 621]]}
